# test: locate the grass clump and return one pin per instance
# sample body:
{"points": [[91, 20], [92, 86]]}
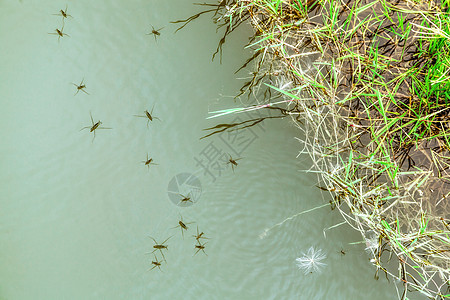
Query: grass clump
{"points": [[368, 83]]}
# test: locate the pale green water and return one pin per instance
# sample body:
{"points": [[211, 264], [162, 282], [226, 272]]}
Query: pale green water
{"points": [[76, 214]]}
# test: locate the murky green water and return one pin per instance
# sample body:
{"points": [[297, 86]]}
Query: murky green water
{"points": [[76, 212]]}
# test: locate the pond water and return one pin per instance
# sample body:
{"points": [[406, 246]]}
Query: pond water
{"points": [[77, 212]]}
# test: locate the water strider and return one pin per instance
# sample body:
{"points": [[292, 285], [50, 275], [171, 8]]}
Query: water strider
{"points": [[233, 162], [80, 87], [201, 247], [182, 225], [156, 263], [59, 33], [94, 127], [155, 32], [160, 247], [63, 13], [199, 235], [149, 116], [148, 162], [185, 199]]}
